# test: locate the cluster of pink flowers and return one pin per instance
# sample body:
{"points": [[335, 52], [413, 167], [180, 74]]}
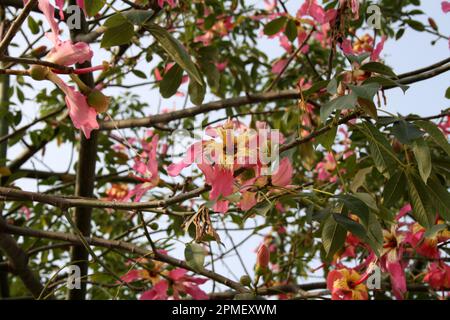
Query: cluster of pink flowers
{"points": [[230, 147], [145, 166], [401, 242], [83, 106], [180, 283]]}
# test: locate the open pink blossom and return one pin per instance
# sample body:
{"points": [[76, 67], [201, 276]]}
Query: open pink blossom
{"points": [[67, 53], [83, 116], [180, 283], [438, 276], [313, 9], [146, 167], [226, 148], [445, 6], [346, 284], [392, 260], [377, 50]]}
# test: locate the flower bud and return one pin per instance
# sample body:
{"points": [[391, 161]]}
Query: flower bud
{"points": [[245, 280], [38, 72], [97, 100], [262, 257], [154, 226], [38, 52], [433, 24]]}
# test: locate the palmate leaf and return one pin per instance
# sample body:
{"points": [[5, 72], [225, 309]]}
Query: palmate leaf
{"points": [[357, 229], [355, 206], [344, 102], [435, 134], [406, 132], [380, 149], [333, 236], [378, 68], [440, 197], [423, 158], [175, 50], [394, 189], [420, 202]]}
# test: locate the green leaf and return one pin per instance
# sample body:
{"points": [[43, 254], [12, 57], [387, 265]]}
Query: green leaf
{"points": [[367, 199], [327, 139], [440, 197], [366, 91], [375, 233], [394, 189], [359, 179], [355, 206], [380, 149], [340, 103], [422, 210], [195, 256], [196, 92], [406, 132], [387, 83], [423, 158], [333, 236], [359, 58], [139, 74], [435, 134], [32, 24], [119, 31], [352, 226], [291, 30], [332, 86], [379, 68], [175, 50], [416, 25], [447, 93], [171, 81], [137, 17], [274, 26], [93, 7]]}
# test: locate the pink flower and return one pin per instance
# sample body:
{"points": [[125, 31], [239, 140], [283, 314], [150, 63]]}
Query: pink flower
{"points": [[278, 66], [445, 6], [346, 284], [172, 3], [378, 48], [158, 292], [205, 38], [311, 8], [438, 276], [347, 47], [392, 260], [282, 177], [146, 165], [325, 169], [221, 66], [270, 5], [67, 53], [180, 284], [83, 116]]}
